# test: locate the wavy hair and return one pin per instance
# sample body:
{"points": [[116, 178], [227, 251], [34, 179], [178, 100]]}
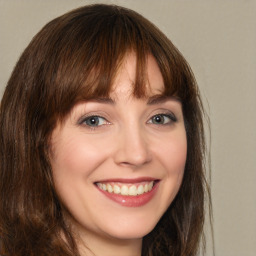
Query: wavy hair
{"points": [[74, 58]]}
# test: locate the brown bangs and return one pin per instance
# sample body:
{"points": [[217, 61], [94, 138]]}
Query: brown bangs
{"points": [[89, 50]]}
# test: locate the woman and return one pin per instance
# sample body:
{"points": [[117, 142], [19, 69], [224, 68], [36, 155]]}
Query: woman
{"points": [[102, 142]]}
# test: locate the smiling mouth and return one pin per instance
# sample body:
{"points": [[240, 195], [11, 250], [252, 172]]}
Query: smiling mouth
{"points": [[127, 189], [129, 192]]}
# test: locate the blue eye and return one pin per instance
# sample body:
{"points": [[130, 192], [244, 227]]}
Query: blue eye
{"points": [[162, 119], [94, 121]]}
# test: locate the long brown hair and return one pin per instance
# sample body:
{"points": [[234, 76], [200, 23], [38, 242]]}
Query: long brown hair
{"points": [[75, 57]]}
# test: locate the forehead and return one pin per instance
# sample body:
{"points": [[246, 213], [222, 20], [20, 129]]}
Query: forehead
{"points": [[125, 79]]}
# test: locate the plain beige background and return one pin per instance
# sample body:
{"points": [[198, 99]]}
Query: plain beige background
{"points": [[218, 38]]}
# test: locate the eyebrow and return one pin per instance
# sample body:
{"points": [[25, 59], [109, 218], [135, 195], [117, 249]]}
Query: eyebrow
{"points": [[153, 100], [105, 100], [159, 99]]}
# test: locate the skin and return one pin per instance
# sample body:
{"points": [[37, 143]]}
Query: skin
{"points": [[126, 144]]}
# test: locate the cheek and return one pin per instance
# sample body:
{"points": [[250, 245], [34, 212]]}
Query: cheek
{"points": [[76, 156], [173, 154], [74, 161], [177, 155]]}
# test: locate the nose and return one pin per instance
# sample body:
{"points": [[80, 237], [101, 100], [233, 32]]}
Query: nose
{"points": [[132, 148]]}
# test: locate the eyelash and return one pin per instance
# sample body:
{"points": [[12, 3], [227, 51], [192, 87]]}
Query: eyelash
{"points": [[87, 119], [172, 119]]}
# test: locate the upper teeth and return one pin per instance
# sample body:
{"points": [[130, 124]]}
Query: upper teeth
{"points": [[126, 190]]}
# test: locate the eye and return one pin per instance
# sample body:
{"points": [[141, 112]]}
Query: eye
{"points": [[94, 121], [162, 119]]}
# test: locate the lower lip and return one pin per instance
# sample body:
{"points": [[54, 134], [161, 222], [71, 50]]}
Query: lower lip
{"points": [[131, 201]]}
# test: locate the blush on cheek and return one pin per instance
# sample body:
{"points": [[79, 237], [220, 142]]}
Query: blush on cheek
{"points": [[176, 155], [76, 156]]}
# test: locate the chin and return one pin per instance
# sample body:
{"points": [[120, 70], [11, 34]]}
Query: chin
{"points": [[130, 229]]}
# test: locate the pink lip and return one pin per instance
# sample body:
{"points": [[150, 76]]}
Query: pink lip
{"points": [[131, 201]]}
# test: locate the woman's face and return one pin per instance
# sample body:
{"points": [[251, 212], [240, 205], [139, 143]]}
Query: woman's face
{"points": [[118, 162]]}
